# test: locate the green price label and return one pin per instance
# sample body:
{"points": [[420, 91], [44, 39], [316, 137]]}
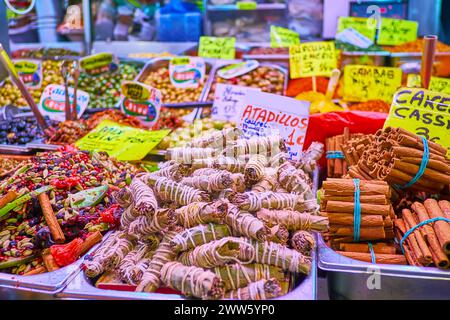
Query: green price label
{"points": [[422, 112], [283, 38], [219, 48], [122, 142], [179, 61], [362, 25], [99, 64], [439, 85], [312, 59], [394, 31], [246, 5]]}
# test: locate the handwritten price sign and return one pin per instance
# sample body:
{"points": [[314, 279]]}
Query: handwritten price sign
{"points": [[394, 31], [361, 25], [363, 83], [422, 112], [122, 142], [440, 85], [219, 48], [312, 59], [283, 38], [263, 113]]}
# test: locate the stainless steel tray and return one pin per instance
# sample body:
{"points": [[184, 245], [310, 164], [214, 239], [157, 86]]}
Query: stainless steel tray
{"points": [[156, 63], [353, 279], [14, 149], [40, 286], [81, 287], [221, 64]]}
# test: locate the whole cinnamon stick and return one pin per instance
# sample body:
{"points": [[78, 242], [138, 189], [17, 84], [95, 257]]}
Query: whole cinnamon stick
{"points": [[346, 187], [445, 207], [366, 233], [7, 198], [366, 208], [373, 199], [50, 219], [90, 241], [364, 248], [37, 270], [379, 257], [348, 219], [441, 228], [49, 262]]}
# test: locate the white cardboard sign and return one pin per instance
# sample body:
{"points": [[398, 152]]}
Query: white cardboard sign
{"points": [[228, 101], [265, 114]]}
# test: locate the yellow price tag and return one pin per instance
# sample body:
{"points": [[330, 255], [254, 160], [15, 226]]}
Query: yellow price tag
{"points": [[122, 142], [246, 5], [363, 83], [219, 48], [414, 81], [283, 38], [312, 59], [439, 85], [362, 25], [394, 31], [422, 112]]}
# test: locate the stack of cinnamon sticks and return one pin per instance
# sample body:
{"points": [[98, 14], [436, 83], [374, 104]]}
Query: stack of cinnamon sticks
{"points": [[395, 156], [377, 214], [337, 166], [430, 243], [384, 253]]}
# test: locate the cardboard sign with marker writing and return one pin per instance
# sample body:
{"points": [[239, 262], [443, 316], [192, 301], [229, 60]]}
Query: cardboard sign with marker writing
{"points": [[219, 48], [122, 142], [265, 114], [363, 83], [439, 85], [422, 112], [395, 31], [362, 25], [312, 59], [283, 38], [228, 101]]}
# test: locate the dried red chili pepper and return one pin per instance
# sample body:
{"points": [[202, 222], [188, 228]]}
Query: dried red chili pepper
{"points": [[66, 254], [107, 216], [67, 183]]}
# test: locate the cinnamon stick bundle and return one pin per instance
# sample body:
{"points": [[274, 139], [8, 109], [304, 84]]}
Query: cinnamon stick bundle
{"points": [[379, 257], [338, 204], [395, 155]]}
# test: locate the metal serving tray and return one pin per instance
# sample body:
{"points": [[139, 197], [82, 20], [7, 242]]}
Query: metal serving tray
{"points": [[221, 64], [40, 286], [81, 287], [156, 63], [357, 280]]}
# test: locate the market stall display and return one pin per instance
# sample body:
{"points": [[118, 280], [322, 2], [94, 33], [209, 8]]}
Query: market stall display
{"points": [[196, 218], [55, 206], [267, 77]]}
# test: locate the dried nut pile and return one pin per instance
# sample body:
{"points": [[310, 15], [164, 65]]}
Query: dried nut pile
{"points": [[225, 217], [24, 231], [268, 79], [160, 79], [20, 131]]}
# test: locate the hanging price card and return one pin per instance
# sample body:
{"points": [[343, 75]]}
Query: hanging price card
{"points": [[187, 72], [219, 48], [30, 72], [422, 112], [363, 83], [283, 38], [439, 85], [99, 63], [312, 59], [246, 5], [394, 31], [122, 142], [362, 25]]}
